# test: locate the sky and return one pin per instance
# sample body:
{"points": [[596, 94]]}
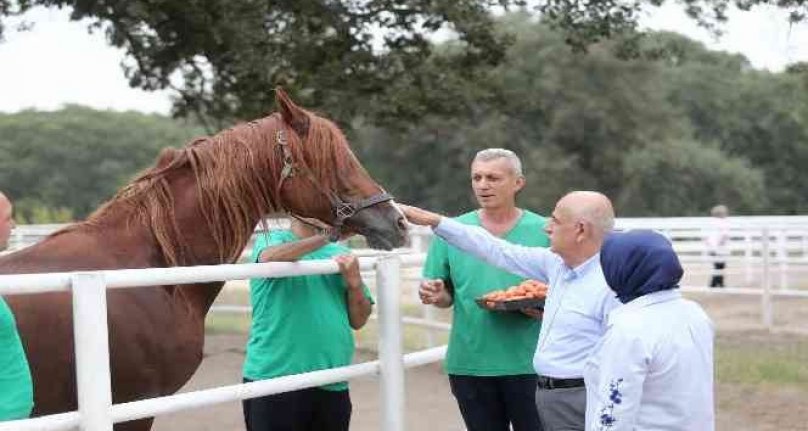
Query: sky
{"points": [[59, 62]]}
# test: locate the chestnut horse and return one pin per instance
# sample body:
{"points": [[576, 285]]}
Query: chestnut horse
{"points": [[197, 206]]}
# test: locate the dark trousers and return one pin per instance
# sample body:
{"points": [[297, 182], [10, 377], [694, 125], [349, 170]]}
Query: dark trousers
{"points": [[494, 403], [311, 409], [718, 274]]}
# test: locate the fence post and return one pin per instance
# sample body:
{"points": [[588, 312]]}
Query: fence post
{"points": [[748, 259], [92, 352], [782, 255], [391, 358], [766, 298]]}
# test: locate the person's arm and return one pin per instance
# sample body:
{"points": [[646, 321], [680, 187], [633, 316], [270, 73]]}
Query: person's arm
{"points": [[359, 305], [436, 287], [530, 262], [622, 371], [292, 251]]}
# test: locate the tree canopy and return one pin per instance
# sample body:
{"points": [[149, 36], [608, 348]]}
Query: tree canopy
{"points": [[57, 166], [671, 131], [222, 58], [669, 135]]}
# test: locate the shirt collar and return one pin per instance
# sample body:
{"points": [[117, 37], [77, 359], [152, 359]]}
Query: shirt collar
{"points": [[583, 268], [645, 301]]}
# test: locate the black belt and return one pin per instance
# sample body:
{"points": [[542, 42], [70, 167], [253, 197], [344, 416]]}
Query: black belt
{"points": [[551, 383]]}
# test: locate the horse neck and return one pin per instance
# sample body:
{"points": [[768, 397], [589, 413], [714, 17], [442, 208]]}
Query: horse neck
{"points": [[198, 245]]}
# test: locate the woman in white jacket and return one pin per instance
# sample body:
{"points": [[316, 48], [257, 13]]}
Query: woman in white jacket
{"points": [[653, 368]]}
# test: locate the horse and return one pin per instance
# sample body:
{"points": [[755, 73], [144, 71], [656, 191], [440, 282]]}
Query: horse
{"points": [[198, 205]]}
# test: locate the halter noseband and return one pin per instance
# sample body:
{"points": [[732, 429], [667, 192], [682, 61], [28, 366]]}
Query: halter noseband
{"points": [[342, 209]]}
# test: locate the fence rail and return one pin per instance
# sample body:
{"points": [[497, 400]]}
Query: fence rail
{"points": [[96, 411]]}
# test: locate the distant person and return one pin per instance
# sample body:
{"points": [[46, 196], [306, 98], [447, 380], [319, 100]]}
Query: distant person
{"points": [[301, 324], [489, 361], [653, 369], [16, 387], [717, 241]]}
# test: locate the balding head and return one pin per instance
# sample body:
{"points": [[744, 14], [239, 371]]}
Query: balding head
{"points": [[6, 220], [592, 207], [578, 225]]}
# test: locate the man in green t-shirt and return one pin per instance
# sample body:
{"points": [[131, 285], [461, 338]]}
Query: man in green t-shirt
{"points": [[490, 356], [301, 324], [16, 388]]}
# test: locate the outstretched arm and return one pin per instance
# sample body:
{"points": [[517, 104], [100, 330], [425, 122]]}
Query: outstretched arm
{"points": [[292, 251], [530, 262]]}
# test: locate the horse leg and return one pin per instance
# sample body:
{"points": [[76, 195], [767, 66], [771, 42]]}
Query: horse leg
{"points": [[138, 425]]}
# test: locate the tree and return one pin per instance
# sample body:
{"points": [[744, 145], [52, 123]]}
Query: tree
{"points": [[759, 116], [65, 163], [224, 57], [570, 116], [588, 22], [670, 133], [685, 178]]}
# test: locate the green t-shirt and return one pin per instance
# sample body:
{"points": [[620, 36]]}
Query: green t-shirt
{"points": [[482, 342], [300, 323], [16, 388]]}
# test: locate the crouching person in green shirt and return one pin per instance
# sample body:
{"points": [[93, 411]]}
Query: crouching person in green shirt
{"points": [[301, 324], [16, 389]]}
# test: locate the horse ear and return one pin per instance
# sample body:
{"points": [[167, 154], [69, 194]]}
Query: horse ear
{"points": [[292, 114]]}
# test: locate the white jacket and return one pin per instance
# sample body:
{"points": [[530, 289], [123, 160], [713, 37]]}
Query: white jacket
{"points": [[653, 369]]}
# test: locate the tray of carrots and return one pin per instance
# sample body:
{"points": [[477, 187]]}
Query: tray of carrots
{"points": [[527, 294]]}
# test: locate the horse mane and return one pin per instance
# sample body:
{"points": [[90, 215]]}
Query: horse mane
{"points": [[236, 174]]}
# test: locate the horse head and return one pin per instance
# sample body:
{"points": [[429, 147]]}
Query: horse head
{"points": [[321, 178]]}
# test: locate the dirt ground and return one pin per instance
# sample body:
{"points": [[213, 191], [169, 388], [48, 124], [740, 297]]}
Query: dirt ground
{"points": [[430, 405]]}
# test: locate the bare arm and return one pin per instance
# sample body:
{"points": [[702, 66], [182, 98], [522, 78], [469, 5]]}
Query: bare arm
{"points": [[359, 306], [292, 251]]}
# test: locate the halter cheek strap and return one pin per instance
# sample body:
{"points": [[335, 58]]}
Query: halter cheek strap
{"points": [[341, 208]]}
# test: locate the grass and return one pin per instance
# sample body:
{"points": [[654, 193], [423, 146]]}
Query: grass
{"points": [[760, 359], [744, 358]]}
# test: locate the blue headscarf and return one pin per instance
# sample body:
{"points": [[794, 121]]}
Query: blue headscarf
{"points": [[639, 262]]}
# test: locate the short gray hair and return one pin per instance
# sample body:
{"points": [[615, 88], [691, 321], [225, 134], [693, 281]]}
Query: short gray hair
{"points": [[489, 154]]}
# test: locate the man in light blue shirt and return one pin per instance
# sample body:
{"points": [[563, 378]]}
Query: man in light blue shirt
{"points": [[578, 302]]}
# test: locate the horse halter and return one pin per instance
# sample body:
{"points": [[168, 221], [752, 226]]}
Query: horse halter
{"points": [[342, 209]]}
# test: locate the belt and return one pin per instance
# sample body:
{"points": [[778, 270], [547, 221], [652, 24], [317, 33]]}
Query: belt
{"points": [[551, 383]]}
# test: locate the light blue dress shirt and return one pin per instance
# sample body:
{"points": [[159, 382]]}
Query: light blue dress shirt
{"points": [[578, 301]]}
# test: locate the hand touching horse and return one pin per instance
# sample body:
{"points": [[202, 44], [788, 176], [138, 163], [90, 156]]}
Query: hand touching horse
{"points": [[197, 206]]}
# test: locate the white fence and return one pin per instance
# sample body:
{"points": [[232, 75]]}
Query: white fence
{"points": [[95, 409], [765, 243]]}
